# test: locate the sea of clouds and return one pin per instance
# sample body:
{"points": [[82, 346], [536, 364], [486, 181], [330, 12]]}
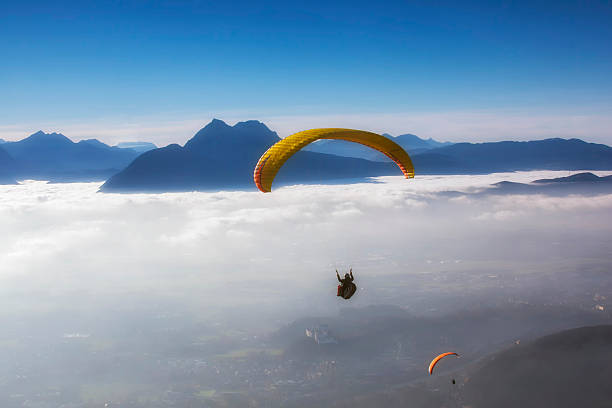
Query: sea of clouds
{"points": [[69, 246]]}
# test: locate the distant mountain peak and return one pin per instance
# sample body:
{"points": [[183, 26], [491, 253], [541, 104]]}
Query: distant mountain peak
{"points": [[96, 143], [41, 133], [216, 124], [53, 156], [140, 147], [218, 135], [584, 177], [252, 125], [41, 136], [250, 122], [409, 142]]}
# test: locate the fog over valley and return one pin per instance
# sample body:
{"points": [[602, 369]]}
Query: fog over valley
{"points": [[305, 204], [204, 298]]}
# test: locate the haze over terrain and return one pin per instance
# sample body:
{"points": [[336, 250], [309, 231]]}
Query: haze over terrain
{"points": [[141, 268], [179, 298]]}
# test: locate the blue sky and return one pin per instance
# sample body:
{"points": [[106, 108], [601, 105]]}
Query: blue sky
{"points": [[140, 69]]}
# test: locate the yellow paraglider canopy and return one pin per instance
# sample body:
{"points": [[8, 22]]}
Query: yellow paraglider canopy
{"points": [[273, 159]]}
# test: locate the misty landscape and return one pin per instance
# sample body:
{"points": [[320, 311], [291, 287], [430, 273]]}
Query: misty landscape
{"points": [[322, 204], [206, 299]]}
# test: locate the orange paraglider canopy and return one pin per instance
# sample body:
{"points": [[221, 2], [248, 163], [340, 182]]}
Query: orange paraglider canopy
{"points": [[440, 357]]}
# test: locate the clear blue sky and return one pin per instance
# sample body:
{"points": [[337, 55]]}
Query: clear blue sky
{"points": [[68, 61]]}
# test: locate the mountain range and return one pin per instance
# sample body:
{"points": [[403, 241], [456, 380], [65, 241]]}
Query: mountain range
{"points": [[547, 154], [411, 143], [8, 166], [140, 147], [220, 156], [54, 157], [223, 156], [569, 368], [577, 178], [581, 183], [572, 368]]}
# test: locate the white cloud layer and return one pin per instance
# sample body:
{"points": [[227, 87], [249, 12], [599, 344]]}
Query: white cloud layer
{"points": [[67, 242]]}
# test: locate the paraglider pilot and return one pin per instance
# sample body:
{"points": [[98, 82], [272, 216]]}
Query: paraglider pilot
{"points": [[348, 277], [347, 288]]}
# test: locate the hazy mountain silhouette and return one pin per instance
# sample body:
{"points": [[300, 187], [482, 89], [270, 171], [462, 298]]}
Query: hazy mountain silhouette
{"points": [[7, 168], [411, 143], [572, 368], [223, 156], [52, 156], [2, 141], [585, 177], [548, 154], [472, 331], [580, 183], [140, 147], [96, 143]]}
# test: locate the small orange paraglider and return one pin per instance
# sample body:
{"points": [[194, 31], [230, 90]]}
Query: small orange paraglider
{"points": [[438, 358]]}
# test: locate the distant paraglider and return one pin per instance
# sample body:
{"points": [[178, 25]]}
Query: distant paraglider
{"points": [[438, 358], [273, 159], [347, 288]]}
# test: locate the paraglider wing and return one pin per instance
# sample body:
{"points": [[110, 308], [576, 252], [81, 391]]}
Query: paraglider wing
{"points": [[273, 159], [440, 357]]}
